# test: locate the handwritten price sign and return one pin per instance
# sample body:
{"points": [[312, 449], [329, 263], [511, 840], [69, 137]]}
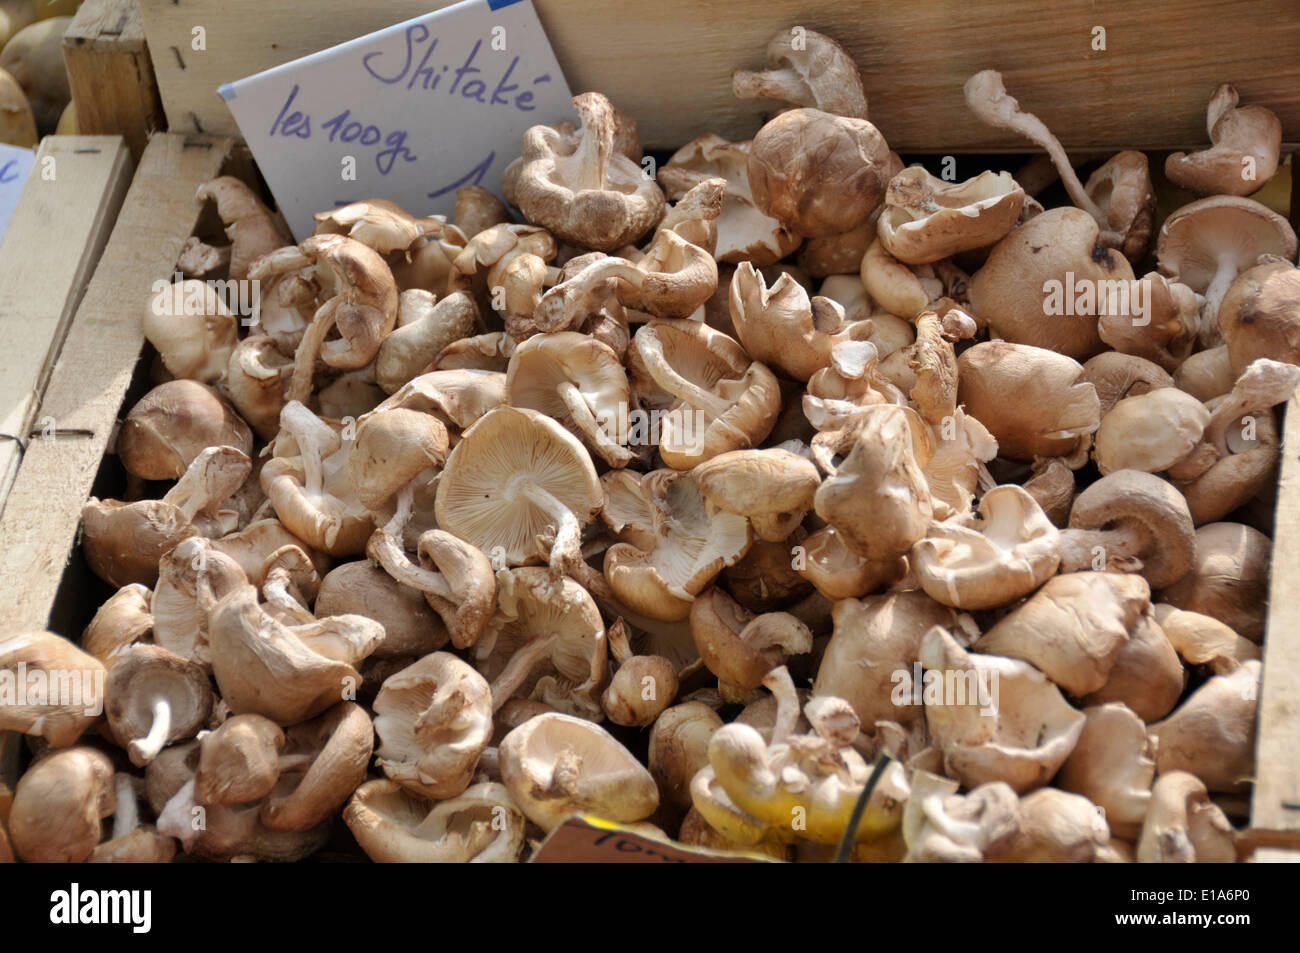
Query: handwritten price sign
{"points": [[410, 113], [15, 163]]}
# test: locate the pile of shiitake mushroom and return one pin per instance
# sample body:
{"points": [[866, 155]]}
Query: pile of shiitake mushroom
{"points": [[679, 498]]}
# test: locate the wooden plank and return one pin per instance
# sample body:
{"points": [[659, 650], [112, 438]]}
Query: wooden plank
{"points": [[1276, 800], [39, 525], [54, 239], [669, 63], [110, 73]]}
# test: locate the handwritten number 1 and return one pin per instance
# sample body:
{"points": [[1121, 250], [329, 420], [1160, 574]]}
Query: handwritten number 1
{"points": [[473, 177]]}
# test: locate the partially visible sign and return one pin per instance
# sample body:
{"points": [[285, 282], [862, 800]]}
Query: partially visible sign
{"points": [[15, 163], [410, 113], [593, 840]]}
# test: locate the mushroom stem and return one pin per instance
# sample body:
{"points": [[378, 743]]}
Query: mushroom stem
{"points": [[304, 359], [291, 763], [144, 750], [312, 436], [1119, 549], [518, 669], [1210, 333], [126, 813], [596, 142], [783, 84], [280, 592], [989, 100], [614, 453], [667, 378], [618, 644], [963, 832], [567, 550], [385, 549], [779, 683]]}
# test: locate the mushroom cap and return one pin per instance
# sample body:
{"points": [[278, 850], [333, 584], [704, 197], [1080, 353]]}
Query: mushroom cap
{"points": [[1032, 400], [1206, 374], [878, 498], [757, 483], [743, 397], [1229, 579], [1117, 376], [1150, 432], [875, 638], [433, 718], [1260, 315], [262, 666], [1237, 133], [532, 607], [1147, 676], [193, 331], [1113, 766], [744, 232], [65, 666], [1202, 640], [238, 760], [382, 225], [411, 627], [172, 424], [58, 804], [925, 219], [1137, 501], [394, 826], [941, 826], [1183, 825], [580, 188], [825, 75], [1121, 187], [476, 500], [121, 621], [1059, 246], [555, 766], [990, 558], [390, 448], [1031, 731], [740, 647], [123, 542], [547, 367], [458, 397], [1222, 228], [1212, 734], [339, 744], [1073, 628], [780, 325], [145, 675], [679, 747]]}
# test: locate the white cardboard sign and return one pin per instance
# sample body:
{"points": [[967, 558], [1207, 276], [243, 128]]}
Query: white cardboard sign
{"points": [[409, 113], [15, 163]]}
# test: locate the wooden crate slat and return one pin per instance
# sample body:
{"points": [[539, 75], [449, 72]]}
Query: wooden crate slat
{"points": [[39, 525], [110, 73], [1276, 798], [49, 252], [669, 63]]}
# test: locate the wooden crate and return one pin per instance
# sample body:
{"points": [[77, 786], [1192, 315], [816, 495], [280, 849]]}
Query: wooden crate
{"points": [[110, 73], [669, 63], [1151, 94], [50, 249]]}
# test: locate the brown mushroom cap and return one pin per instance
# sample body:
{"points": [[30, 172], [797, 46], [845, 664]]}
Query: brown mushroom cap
{"points": [[1147, 676], [1062, 246], [1238, 134], [1229, 579], [411, 627], [64, 667], [172, 424], [813, 70], [774, 488], [1116, 376], [1260, 315], [739, 646], [146, 679], [238, 760], [325, 761], [1152, 517], [58, 804], [1032, 400], [1150, 432], [925, 218], [818, 174]]}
